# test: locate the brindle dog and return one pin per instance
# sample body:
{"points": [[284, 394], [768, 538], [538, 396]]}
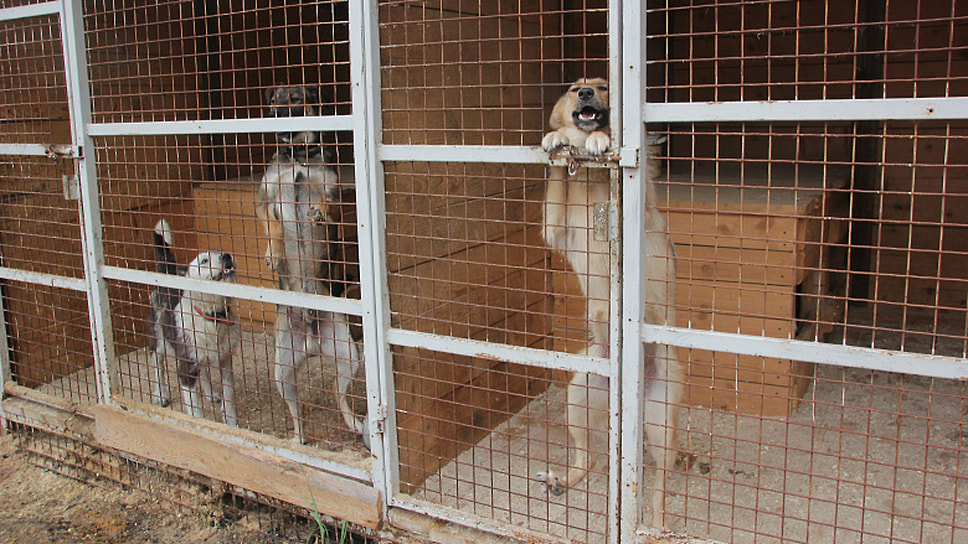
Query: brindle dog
{"points": [[299, 206]]}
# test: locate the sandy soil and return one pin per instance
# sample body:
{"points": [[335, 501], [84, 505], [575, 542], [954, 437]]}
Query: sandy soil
{"points": [[867, 457]]}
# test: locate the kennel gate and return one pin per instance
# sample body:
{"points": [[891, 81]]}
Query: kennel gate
{"points": [[96, 134], [92, 138]]}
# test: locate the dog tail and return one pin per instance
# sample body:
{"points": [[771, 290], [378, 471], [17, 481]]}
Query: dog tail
{"points": [[164, 257]]}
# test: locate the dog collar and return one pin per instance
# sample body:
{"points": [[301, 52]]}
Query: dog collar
{"points": [[218, 317]]}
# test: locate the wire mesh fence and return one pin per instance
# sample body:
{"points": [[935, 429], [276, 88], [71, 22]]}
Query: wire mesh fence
{"points": [[240, 126]]}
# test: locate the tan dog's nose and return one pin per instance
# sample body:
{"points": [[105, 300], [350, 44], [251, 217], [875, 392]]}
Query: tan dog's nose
{"points": [[586, 93]]}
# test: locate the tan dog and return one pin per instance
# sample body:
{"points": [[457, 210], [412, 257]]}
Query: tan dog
{"points": [[580, 120]]}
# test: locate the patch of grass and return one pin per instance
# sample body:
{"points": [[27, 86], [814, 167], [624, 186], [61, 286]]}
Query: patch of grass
{"points": [[320, 533]]}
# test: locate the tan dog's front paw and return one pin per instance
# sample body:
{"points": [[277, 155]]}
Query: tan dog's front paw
{"points": [[550, 483], [272, 261], [316, 215], [597, 143], [554, 140]]}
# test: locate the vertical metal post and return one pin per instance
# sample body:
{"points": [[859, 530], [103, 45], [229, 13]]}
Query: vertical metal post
{"points": [[633, 265], [4, 359], [78, 91], [371, 216], [617, 121], [12, 14]]}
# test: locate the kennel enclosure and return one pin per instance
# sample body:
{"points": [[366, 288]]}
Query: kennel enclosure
{"points": [[808, 157]]}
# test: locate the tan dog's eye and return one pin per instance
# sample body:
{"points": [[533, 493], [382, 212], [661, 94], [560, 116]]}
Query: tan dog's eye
{"points": [[603, 88]]}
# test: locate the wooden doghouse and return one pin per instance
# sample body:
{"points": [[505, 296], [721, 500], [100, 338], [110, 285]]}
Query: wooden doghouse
{"points": [[752, 258]]}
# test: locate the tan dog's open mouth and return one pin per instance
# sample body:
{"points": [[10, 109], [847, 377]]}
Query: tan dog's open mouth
{"points": [[590, 118]]}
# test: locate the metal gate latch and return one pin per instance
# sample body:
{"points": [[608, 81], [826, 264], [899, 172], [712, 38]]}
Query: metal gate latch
{"points": [[56, 152]]}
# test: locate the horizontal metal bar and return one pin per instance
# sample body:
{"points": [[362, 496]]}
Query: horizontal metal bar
{"points": [[40, 278], [919, 364], [224, 126], [25, 150], [538, 358], [34, 10], [463, 153], [238, 291], [808, 110]]}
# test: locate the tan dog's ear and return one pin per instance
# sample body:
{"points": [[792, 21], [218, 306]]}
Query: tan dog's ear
{"points": [[557, 119]]}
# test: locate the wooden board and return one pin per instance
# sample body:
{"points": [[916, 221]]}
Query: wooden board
{"points": [[731, 368], [472, 288], [734, 307], [236, 464], [433, 212], [755, 267]]}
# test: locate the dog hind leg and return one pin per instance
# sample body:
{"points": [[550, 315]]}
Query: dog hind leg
{"points": [[291, 352], [159, 382], [663, 395], [229, 416], [338, 343], [227, 378], [188, 378], [587, 399], [347, 360]]}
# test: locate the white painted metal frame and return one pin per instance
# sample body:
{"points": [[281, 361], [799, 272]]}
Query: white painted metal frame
{"points": [[37, 149], [934, 366], [632, 382], [546, 359], [629, 113], [371, 218], [915, 109], [78, 93], [97, 273]]}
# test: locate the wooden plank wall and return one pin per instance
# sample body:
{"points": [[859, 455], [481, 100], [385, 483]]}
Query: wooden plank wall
{"points": [[911, 264], [465, 256]]}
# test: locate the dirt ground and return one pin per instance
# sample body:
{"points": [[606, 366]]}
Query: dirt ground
{"points": [[41, 506]]}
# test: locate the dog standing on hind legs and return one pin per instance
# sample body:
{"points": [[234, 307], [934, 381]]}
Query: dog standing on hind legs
{"points": [[297, 205], [579, 120], [199, 329]]}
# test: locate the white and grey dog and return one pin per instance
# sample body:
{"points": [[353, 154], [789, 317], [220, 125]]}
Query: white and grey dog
{"points": [[200, 329], [298, 205]]}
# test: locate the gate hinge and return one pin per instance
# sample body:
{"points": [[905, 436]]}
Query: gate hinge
{"points": [[380, 418], [628, 157], [606, 221], [72, 187]]}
